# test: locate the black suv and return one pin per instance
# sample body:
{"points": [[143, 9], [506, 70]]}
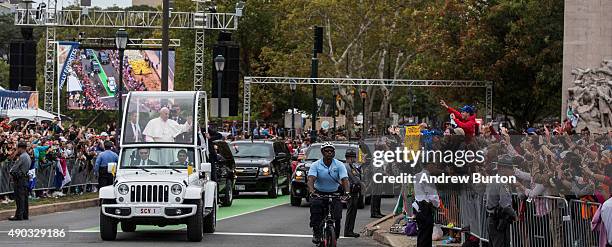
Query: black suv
{"points": [[226, 174], [299, 186], [262, 165]]}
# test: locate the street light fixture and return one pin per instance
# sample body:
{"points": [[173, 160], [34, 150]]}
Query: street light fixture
{"points": [[293, 87], [219, 66], [364, 95], [121, 39]]}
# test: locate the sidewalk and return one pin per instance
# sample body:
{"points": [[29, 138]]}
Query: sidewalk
{"points": [[53, 207], [379, 230]]}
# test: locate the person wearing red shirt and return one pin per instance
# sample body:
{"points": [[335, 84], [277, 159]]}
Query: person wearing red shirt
{"points": [[466, 119]]}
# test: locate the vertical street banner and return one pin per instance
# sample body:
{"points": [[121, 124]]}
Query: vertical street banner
{"points": [[18, 100], [66, 54], [412, 139]]}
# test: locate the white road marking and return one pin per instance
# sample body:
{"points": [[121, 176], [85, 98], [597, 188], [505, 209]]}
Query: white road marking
{"points": [[249, 212], [264, 234], [223, 233]]}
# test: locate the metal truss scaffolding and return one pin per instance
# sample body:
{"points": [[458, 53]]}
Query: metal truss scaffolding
{"points": [[126, 19], [132, 43], [52, 18], [248, 81], [50, 51]]}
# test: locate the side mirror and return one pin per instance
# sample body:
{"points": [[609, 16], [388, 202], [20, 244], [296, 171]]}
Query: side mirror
{"points": [[281, 155], [205, 167], [111, 168]]}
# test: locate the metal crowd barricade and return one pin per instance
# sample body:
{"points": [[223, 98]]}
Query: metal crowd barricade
{"points": [[542, 222], [81, 175], [448, 212], [582, 215]]}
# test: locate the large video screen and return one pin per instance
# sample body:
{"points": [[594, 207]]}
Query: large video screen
{"points": [[91, 76]]}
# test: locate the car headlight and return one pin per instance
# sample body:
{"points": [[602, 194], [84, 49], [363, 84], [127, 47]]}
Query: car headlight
{"points": [[123, 189], [176, 189], [265, 171]]}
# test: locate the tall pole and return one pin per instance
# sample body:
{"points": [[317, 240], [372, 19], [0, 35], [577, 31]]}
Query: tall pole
{"points": [[335, 91], [314, 71], [219, 75], [165, 44], [119, 90], [293, 134], [363, 119], [334, 117]]}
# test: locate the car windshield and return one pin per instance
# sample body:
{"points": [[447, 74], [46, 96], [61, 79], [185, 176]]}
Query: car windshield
{"points": [[251, 150], [172, 158], [154, 117], [314, 152]]}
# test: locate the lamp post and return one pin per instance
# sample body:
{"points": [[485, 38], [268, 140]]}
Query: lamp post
{"points": [[293, 86], [335, 91], [121, 39], [363, 95], [219, 66], [413, 103]]}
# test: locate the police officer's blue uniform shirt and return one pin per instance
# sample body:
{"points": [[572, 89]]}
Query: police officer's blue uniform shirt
{"points": [[325, 182], [104, 158]]}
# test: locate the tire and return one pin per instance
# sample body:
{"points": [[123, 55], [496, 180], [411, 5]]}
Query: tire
{"points": [[273, 191], [128, 227], [286, 190], [229, 194], [108, 227], [210, 220], [330, 237], [194, 224], [296, 201]]}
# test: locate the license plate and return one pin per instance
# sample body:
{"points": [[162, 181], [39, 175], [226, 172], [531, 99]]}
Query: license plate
{"points": [[148, 211], [240, 187]]}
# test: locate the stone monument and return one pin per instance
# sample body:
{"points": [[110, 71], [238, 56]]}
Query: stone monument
{"points": [[587, 63]]}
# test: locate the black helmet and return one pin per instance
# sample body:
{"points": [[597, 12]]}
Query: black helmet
{"points": [[350, 153]]}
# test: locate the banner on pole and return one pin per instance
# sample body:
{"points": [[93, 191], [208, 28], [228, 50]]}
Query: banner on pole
{"points": [[19, 100]]}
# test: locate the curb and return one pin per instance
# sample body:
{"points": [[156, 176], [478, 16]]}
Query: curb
{"points": [[383, 236], [371, 228], [53, 208]]}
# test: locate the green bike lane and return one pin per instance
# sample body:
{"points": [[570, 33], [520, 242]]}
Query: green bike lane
{"points": [[240, 206], [102, 75]]}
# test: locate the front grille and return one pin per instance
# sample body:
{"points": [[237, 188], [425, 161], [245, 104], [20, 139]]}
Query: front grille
{"points": [[149, 193], [247, 171]]}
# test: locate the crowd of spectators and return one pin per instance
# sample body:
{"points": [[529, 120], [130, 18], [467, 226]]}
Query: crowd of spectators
{"points": [[50, 143]]}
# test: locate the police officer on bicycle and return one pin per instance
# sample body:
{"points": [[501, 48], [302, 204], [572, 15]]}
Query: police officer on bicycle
{"points": [[326, 176]]}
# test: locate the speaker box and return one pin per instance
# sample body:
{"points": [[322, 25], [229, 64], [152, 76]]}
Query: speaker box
{"points": [[22, 60], [318, 39], [231, 74]]}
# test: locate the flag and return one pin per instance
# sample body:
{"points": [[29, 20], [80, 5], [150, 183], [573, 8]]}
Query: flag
{"points": [[32, 181], [62, 173]]}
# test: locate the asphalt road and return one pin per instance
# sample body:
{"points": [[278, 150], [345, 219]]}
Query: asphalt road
{"points": [[269, 224]]}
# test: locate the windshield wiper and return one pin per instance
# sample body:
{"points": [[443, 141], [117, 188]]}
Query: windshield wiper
{"points": [[174, 169], [142, 168]]}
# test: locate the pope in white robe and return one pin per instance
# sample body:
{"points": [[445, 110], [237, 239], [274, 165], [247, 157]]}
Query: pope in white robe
{"points": [[163, 129]]}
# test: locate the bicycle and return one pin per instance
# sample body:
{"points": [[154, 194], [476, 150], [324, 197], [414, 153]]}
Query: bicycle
{"points": [[328, 224]]}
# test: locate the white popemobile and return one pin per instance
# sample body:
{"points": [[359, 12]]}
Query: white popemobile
{"points": [[161, 183]]}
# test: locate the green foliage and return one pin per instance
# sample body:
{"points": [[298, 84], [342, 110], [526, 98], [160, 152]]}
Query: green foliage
{"points": [[515, 44]]}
